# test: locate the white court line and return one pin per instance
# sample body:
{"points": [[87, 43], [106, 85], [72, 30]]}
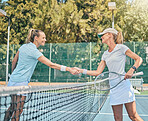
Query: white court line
{"points": [[138, 97], [123, 114], [60, 111], [71, 112]]}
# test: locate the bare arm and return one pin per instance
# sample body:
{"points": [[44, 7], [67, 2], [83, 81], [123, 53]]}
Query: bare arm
{"points": [[14, 61], [138, 62], [96, 72], [47, 62]]}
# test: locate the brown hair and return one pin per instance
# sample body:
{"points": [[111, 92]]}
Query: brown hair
{"points": [[32, 33], [118, 38]]}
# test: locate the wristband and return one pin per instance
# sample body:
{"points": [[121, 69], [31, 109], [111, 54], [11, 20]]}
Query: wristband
{"points": [[63, 68], [84, 71], [134, 68]]}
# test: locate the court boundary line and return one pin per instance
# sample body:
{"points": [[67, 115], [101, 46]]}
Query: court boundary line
{"points": [[60, 111], [123, 114]]}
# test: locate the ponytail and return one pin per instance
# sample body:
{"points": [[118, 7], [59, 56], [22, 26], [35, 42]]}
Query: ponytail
{"points": [[32, 33], [119, 39]]}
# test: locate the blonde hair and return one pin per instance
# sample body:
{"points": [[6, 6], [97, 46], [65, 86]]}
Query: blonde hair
{"points": [[118, 38], [32, 33]]}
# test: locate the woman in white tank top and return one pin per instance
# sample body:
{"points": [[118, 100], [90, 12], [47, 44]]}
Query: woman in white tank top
{"points": [[114, 58]]}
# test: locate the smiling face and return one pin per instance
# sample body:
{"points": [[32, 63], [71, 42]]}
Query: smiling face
{"points": [[41, 39]]}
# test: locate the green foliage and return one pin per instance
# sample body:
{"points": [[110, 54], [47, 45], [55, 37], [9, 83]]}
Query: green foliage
{"points": [[2, 4], [73, 20], [136, 21]]}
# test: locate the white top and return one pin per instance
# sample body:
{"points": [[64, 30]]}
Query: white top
{"points": [[115, 62], [27, 60]]}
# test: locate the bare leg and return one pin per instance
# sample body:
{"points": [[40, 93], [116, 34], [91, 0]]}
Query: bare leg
{"points": [[10, 110], [131, 110], [117, 109], [19, 108], [15, 109]]}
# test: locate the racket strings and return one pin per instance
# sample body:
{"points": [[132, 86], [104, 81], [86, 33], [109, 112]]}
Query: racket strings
{"points": [[109, 80]]}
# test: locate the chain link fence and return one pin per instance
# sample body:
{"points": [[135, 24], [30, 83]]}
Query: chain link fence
{"points": [[82, 55]]}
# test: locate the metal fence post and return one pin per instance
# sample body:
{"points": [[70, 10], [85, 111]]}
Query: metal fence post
{"points": [[90, 62], [50, 60]]}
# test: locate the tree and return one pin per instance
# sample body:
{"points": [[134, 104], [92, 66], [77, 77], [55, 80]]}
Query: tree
{"points": [[3, 28], [61, 22], [67, 21], [136, 21], [97, 15], [2, 4], [21, 12]]}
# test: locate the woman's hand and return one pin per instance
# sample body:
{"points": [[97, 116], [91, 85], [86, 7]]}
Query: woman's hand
{"points": [[79, 70], [129, 74], [73, 71]]}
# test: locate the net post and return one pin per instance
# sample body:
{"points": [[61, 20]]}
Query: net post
{"points": [[50, 60], [7, 59], [90, 63], [99, 101], [133, 59]]}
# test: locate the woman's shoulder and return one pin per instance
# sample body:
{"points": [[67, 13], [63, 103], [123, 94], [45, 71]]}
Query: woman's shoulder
{"points": [[29, 45], [123, 48], [105, 53], [22, 46], [121, 45]]}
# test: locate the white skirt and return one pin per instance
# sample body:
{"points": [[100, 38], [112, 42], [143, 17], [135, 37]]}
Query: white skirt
{"points": [[123, 93]]}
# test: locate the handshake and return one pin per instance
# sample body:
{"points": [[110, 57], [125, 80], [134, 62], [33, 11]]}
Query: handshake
{"points": [[76, 70]]}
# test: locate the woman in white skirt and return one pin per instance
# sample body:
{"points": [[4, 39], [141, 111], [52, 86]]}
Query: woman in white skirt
{"points": [[115, 58]]}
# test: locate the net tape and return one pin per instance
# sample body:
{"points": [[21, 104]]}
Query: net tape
{"points": [[75, 102]]}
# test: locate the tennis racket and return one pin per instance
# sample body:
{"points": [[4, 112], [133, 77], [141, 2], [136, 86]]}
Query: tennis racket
{"points": [[109, 80]]}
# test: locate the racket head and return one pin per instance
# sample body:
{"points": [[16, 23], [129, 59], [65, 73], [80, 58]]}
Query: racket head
{"points": [[109, 80], [105, 81]]}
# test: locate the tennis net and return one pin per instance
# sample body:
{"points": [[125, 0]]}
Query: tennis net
{"points": [[75, 102]]}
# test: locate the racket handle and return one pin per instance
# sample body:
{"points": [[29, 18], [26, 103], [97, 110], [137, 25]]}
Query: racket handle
{"points": [[139, 73]]}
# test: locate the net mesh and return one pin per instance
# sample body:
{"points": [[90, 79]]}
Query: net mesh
{"points": [[76, 102]]}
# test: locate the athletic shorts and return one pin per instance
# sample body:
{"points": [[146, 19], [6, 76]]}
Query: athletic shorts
{"points": [[10, 83]]}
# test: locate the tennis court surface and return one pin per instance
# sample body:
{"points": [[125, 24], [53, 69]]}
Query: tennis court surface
{"points": [[76, 102], [106, 113]]}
